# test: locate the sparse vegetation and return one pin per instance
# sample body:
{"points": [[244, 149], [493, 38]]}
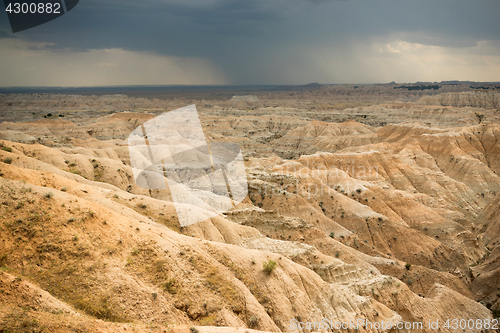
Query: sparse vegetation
{"points": [[171, 286], [209, 320], [99, 307], [7, 149], [419, 87], [408, 266], [7, 160], [269, 266], [479, 117], [496, 314], [253, 321]]}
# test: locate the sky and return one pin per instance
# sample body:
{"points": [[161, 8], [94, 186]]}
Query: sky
{"points": [[246, 42]]}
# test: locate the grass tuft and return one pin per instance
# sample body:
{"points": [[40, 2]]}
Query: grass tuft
{"points": [[269, 266]]}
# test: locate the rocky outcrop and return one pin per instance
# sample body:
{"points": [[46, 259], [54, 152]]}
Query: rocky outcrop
{"points": [[477, 99]]}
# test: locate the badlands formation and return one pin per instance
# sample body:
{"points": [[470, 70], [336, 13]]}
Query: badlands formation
{"points": [[376, 203]]}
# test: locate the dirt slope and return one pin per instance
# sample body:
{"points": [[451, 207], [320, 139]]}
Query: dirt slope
{"points": [[393, 223]]}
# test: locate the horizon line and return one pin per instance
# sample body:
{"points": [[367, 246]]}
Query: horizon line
{"points": [[237, 85]]}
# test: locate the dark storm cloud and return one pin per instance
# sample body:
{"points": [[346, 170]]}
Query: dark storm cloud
{"points": [[178, 27], [248, 37], [5, 34]]}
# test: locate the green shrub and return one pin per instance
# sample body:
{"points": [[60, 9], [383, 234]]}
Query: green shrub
{"points": [[170, 286], [269, 266], [8, 160], [332, 234], [408, 266], [8, 149]]}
